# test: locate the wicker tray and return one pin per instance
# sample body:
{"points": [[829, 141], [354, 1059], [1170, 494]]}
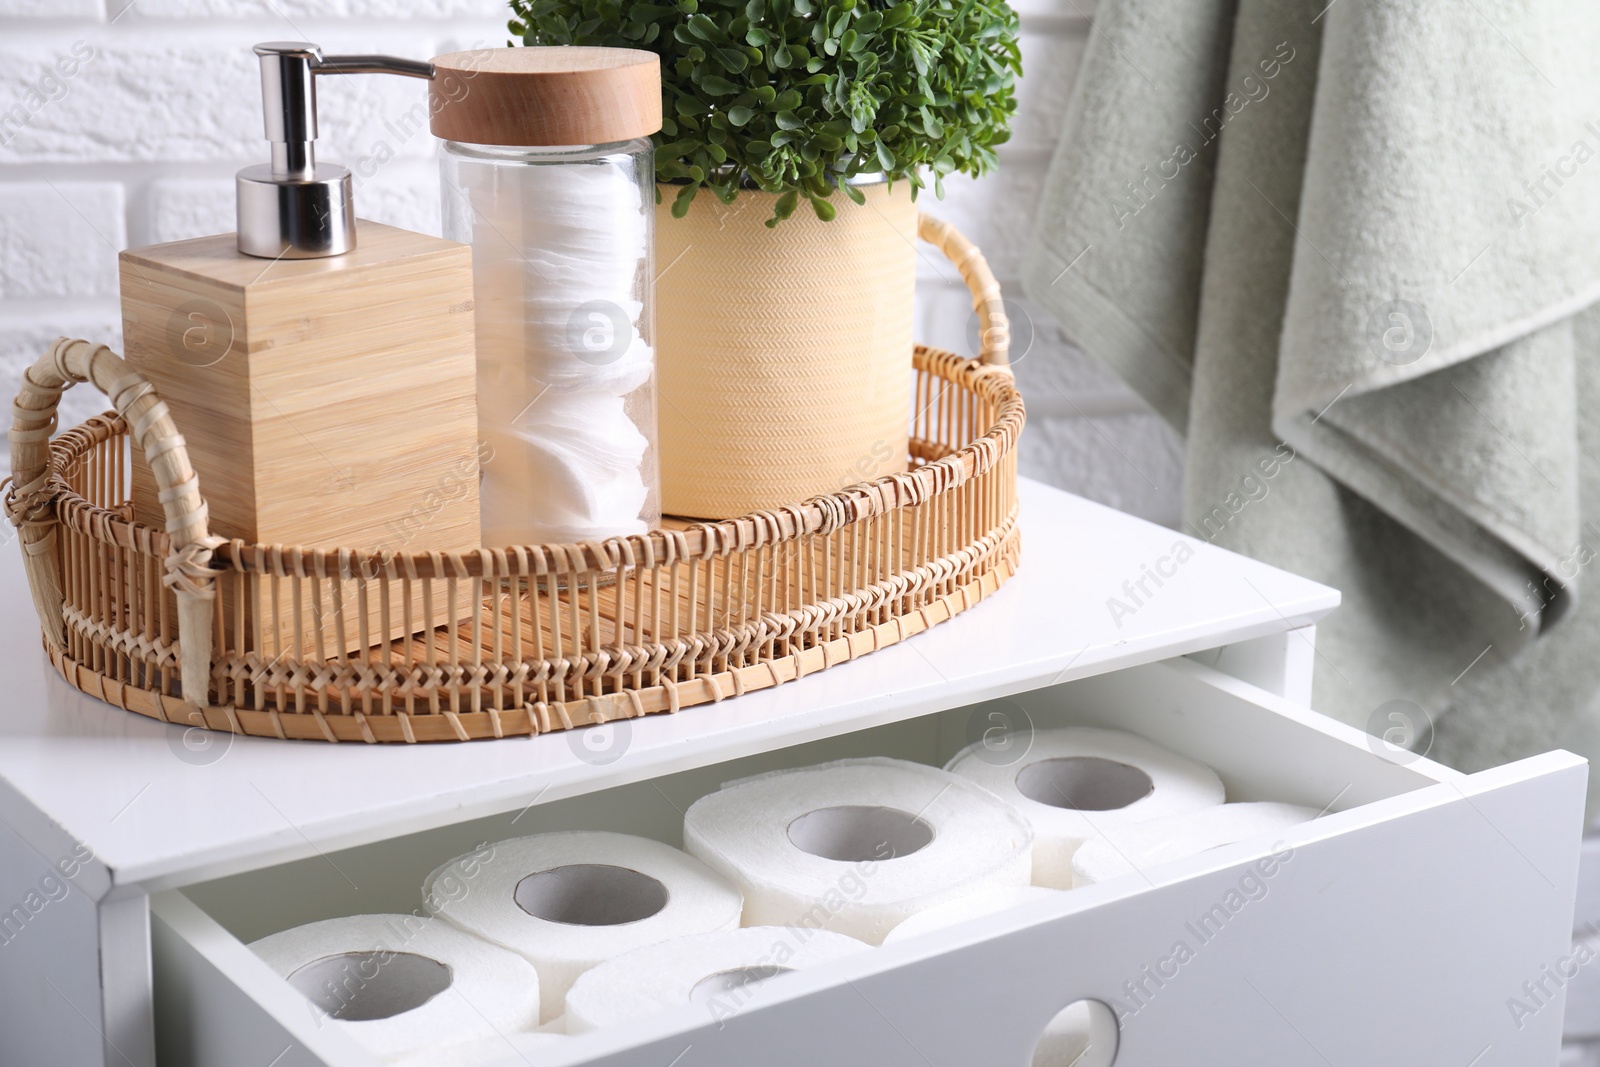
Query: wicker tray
{"points": [[168, 623]]}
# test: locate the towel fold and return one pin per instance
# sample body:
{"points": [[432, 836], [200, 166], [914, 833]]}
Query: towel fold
{"points": [[1346, 243]]}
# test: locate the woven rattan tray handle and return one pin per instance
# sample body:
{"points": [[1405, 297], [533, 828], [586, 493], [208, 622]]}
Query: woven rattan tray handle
{"points": [[994, 328], [29, 501]]}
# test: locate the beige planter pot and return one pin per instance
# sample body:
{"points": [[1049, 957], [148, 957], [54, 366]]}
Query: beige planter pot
{"points": [[783, 355]]}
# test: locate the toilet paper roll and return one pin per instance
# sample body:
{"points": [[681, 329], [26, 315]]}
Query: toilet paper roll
{"points": [[402, 984], [713, 970], [985, 902], [1073, 777], [567, 901], [520, 1049], [856, 846], [1126, 847]]}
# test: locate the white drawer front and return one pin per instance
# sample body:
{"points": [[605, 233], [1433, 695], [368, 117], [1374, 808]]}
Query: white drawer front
{"points": [[1397, 929]]}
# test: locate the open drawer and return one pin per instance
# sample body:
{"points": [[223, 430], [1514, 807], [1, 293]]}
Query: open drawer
{"points": [[1398, 928]]}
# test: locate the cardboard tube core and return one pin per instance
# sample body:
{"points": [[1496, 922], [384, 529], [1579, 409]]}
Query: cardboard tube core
{"points": [[590, 894], [1084, 783], [362, 986], [856, 833], [732, 980]]}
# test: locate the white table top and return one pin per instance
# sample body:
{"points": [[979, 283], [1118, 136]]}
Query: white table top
{"points": [[157, 813]]}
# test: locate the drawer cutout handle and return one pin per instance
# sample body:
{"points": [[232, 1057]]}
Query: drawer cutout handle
{"points": [[1082, 1034]]}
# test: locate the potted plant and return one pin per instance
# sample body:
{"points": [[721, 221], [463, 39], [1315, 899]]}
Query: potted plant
{"points": [[797, 135]]}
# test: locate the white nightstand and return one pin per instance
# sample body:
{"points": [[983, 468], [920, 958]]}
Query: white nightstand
{"points": [[1395, 934]]}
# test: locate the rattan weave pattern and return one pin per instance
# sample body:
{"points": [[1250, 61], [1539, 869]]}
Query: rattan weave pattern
{"points": [[178, 625]]}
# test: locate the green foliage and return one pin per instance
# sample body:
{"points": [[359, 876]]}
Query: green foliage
{"points": [[795, 96]]}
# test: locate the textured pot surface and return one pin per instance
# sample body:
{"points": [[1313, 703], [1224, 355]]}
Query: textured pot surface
{"points": [[783, 355]]}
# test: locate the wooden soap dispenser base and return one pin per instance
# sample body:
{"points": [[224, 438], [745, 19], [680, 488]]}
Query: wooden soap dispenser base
{"points": [[321, 370]]}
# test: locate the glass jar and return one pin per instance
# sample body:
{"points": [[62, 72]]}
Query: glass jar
{"points": [[561, 261]]}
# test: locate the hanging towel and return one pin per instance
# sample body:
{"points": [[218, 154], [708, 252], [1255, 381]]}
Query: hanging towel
{"points": [[1348, 249]]}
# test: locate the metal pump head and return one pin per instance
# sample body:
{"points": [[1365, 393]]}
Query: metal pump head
{"points": [[295, 207]]}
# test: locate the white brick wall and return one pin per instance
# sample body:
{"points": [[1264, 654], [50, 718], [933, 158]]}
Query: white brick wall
{"points": [[121, 123], [54, 237]]}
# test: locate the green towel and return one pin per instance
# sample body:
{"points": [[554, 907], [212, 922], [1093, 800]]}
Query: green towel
{"points": [[1348, 249]]}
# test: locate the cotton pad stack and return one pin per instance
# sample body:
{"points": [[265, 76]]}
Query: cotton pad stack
{"points": [[712, 970], [557, 259], [856, 846], [404, 985], [567, 901], [1126, 847], [1073, 778]]}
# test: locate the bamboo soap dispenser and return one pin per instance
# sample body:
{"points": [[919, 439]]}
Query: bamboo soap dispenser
{"points": [[321, 369]]}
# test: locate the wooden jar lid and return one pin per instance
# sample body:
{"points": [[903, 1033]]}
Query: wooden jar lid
{"points": [[545, 95]]}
